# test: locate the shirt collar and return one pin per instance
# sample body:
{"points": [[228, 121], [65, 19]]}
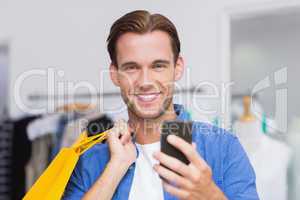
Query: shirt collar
{"points": [[181, 113]]}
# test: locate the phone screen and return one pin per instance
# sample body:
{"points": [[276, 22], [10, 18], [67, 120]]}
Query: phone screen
{"points": [[182, 129]]}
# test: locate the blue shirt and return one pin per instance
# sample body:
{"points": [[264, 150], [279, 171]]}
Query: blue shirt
{"points": [[232, 171]]}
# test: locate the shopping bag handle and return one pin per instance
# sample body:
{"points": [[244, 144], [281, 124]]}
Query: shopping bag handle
{"points": [[85, 142]]}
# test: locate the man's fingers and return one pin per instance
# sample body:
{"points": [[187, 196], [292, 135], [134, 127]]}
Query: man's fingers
{"points": [[180, 193], [113, 137], [125, 138], [172, 177], [114, 133], [172, 163], [187, 149], [124, 132], [120, 132]]}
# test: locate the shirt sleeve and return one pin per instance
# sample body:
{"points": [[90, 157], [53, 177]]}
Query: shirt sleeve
{"points": [[239, 176], [75, 187], [88, 169]]}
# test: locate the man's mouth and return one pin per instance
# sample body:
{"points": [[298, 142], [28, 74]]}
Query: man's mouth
{"points": [[149, 97]]}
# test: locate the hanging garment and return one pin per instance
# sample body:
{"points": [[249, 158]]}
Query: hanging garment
{"points": [[53, 124], [39, 160], [21, 155], [41, 132], [58, 134], [44, 125], [269, 158], [6, 134]]}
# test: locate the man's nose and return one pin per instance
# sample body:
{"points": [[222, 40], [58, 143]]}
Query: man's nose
{"points": [[145, 77], [145, 80]]}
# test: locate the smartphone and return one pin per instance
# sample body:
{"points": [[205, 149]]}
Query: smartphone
{"points": [[182, 129]]}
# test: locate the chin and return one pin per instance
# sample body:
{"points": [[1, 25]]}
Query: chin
{"points": [[148, 110], [149, 115]]}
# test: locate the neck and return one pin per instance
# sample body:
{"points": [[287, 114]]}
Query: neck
{"points": [[148, 130]]}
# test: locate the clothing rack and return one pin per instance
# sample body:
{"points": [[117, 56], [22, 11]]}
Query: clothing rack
{"points": [[241, 95], [43, 97]]}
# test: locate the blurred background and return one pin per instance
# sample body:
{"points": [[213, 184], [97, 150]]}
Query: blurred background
{"points": [[242, 66]]}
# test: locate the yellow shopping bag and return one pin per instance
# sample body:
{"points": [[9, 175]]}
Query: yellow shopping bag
{"points": [[52, 183]]}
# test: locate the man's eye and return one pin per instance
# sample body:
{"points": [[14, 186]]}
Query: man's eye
{"points": [[158, 66]]}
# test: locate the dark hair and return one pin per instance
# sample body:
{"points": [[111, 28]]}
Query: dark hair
{"points": [[141, 21]]}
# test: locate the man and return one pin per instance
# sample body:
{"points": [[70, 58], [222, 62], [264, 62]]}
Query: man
{"points": [[145, 63]]}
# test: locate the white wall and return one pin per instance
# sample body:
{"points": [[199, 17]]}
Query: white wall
{"points": [[262, 46], [70, 35]]}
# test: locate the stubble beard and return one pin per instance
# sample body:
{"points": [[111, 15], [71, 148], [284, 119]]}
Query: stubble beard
{"points": [[132, 108]]}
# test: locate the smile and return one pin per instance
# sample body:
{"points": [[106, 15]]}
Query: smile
{"points": [[147, 97]]}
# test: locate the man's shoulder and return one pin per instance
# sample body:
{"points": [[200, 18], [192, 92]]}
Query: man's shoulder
{"points": [[98, 152], [92, 162], [216, 145], [88, 168], [208, 133]]}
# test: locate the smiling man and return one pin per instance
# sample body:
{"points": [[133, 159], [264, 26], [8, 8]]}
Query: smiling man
{"points": [[145, 64]]}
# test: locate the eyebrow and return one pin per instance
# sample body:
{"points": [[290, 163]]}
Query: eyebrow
{"points": [[161, 61], [130, 63]]}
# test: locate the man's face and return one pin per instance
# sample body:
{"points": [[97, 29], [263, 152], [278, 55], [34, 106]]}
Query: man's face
{"points": [[146, 72]]}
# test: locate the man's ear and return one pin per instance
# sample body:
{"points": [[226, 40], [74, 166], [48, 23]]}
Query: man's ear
{"points": [[113, 72], [179, 68]]}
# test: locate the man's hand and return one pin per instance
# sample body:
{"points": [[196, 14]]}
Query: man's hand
{"points": [[193, 181], [121, 147], [122, 155]]}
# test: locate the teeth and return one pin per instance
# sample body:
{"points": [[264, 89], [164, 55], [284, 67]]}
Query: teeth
{"points": [[148, 97]]}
